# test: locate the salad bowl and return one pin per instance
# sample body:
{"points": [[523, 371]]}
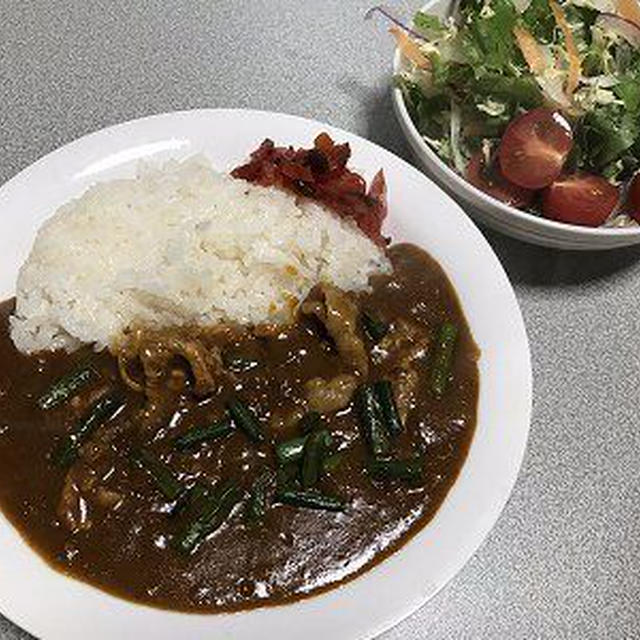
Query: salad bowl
{"points": [[486, 209]]}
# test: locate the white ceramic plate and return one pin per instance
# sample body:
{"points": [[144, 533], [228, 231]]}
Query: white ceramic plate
{"points": [[490, 211], [50, 605]]}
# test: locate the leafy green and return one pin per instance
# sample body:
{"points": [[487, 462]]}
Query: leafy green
{"points": [[605, 134], [628, 90], [626, 58], [596, 59], [581, 19], [429, 113], [626, 165], [451, 78], [539, 21], [609, 135], [519, 91], [427, 24], [487, 41], [607, 54]]}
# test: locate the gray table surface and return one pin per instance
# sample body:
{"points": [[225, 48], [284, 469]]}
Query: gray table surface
{"points": [[564, 559]]}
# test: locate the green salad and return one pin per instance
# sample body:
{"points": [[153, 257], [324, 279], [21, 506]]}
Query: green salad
{"points": [[536, 102]]}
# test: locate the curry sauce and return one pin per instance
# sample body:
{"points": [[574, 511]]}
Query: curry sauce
{"points": [[103, 519]]}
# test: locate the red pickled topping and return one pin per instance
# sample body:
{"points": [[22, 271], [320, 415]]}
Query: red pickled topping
{"points": [[321, 174]]}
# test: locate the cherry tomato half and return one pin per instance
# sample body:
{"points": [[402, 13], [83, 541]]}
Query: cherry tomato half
{"points": [[633, 198], [582, 199], [491, 181], [534, 148]]}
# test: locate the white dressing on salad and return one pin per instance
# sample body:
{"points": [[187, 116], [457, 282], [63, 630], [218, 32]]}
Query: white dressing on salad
{"points": [[492, 107]]}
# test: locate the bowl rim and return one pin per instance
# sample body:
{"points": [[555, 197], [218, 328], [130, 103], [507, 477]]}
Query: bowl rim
{"points": [[470, 193]]}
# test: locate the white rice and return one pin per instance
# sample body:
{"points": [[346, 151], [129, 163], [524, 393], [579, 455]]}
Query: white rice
{"points": [[180, 244]]}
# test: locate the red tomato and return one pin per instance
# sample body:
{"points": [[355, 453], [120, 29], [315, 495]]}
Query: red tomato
{"points": [[582, 199], [633, 198], [491, 181], [534, 148]]}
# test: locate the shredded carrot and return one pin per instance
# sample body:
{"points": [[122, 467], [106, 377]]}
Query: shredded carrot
{"points": [[629, 10], [530, 50], [409, 48], [572, 50]]}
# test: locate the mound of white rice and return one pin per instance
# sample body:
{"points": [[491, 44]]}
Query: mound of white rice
{"points": [[179, 244]]}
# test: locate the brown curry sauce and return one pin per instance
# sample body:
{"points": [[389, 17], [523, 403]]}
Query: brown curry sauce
{"points": [[294, 552]]}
